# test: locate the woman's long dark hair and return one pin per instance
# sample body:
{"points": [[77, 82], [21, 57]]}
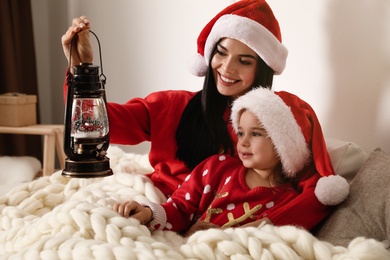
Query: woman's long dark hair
{"points": [[202, 130]]}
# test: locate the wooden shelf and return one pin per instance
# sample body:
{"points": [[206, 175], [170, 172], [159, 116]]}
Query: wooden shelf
{"points": [[53, 142]]}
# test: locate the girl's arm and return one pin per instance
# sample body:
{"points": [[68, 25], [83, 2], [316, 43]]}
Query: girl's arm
{"points": [[305, 210], [189, 201]]}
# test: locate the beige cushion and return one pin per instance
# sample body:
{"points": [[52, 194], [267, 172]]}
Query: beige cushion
{"points": [[346, 157], [366, 212]]}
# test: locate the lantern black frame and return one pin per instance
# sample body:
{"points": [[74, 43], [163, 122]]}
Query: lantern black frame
{"points": [[77, 165]]}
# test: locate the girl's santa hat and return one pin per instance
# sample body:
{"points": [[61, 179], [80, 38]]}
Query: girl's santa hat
{"points": [[250, 21], [296, 133]]}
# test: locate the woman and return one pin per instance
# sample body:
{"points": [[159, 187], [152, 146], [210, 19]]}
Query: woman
{"points": [[239, 49]]}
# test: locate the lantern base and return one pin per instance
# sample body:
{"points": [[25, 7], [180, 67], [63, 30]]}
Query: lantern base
{"points": [[87, 169]]}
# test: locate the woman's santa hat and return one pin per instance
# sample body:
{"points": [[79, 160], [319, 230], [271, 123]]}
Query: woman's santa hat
{"points": [[250, 21], [296, 133]]}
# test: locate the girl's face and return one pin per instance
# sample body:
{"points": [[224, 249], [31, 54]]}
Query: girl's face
{"points": [[234, 67], [254, 147]]}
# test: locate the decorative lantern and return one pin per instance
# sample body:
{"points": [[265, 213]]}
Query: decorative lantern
{"points": [[86, 135]]}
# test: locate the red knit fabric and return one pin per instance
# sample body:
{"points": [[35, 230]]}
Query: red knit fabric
{"points": [[312, 131]]}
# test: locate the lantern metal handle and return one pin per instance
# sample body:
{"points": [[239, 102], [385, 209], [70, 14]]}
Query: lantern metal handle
{"points": [[100, 55]]}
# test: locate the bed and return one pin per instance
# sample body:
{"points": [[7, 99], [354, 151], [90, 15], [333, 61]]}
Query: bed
{"points": [[54, 217]]}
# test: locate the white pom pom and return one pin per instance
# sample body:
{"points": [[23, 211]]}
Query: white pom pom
{"points": [[332, 190], [197, 65]]}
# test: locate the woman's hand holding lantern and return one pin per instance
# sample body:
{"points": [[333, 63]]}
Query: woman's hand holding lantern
{"points": [[81, 47]]}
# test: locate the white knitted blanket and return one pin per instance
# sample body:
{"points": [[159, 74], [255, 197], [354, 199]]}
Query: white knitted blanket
{"points": [[68, 218]]}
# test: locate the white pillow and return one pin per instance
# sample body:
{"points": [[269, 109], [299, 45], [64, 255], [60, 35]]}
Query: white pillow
{"points": [[346, 157], [17, 169]]}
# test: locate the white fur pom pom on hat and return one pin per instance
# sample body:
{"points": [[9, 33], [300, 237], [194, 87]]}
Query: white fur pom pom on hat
{"points": [[197, 65], [332, 190]]}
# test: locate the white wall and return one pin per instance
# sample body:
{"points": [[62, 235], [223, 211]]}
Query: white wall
{"points": [[338, 55], [340, 63], [49, 20]]}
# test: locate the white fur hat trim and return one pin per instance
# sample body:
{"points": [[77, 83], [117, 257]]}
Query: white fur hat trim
{"points": [[252, 34]]}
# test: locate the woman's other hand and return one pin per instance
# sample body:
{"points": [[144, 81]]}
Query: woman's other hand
{"points": [[199, 225], [258, 222], [81, 47]]}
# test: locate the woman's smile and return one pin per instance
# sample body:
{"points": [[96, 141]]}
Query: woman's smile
{"points": [[226, 79]]}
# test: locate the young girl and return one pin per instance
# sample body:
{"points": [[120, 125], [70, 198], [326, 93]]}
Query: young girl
{"points": [[278, 138], [238, 50]]}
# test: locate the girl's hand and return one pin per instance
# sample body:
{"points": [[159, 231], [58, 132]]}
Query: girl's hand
{"points": [[81, 46], [135, 210]]}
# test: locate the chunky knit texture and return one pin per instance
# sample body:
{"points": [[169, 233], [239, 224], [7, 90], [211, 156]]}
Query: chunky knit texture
{"points": [[60, 218]]}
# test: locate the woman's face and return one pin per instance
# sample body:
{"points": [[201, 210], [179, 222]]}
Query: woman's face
{"points": [[234, 67]]}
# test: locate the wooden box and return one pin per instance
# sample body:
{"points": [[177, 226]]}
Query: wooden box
{"points": [[18, 109]]}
